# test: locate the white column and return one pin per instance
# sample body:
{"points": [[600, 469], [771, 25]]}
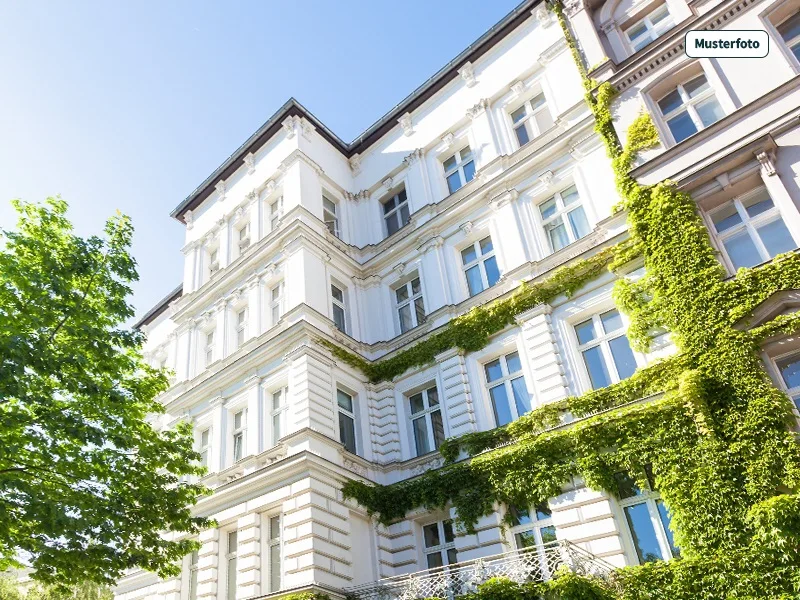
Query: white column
{"points": [[549, 381], [310, 391], [190, 253], [208, 565], [254, 308], [777, 191], [434, 272], [456, 393], [255, 417], [224, 254], [254, 207], [220, 330], [248, 558], [483, 133], [584, 30], [216, 455], [506, 232], [383, 430]]}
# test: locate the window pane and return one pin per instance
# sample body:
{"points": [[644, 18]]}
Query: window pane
{"points": [[274, 528], [431, 535], [347, 432], [696, 86], [474, 281], [790, 371], [438, 428], [513, 363], [469, 170], [758, 203], [274, 568], [389, 205], [435, 560], [643, 533], [433, 397], [238, 443], [623, 357], [558, 234], [419, 308], [449, 536], [337, 293], [670, 102], [636, 31], [665, 521], [522, 134], [726, 217], [466, 154], [543, 512], [710, 111], [338, 318], [776, 237], [486, 245], [518, 114], [577, 219], [525, 539], [790, 28], [452, 556], [502, 411], [391, 224], [626, 485], [421, 440], [401, 294], [276, 428], [742, 251], [231, 583], [585, 331], [548, 534], [454, 181], [596, 365], [405, 318], [493, 371], [492, 272], [405, 215], [416, 403], [682, 126], [344, 400], [519, 516], [548, 208], [522, 398], [469, 255], [450, 163], [611, 320]]}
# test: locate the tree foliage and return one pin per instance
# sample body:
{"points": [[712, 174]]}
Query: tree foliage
{"points": [[88, 484]]}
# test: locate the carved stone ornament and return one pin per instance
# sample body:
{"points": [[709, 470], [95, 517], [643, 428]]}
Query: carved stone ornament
{"points": [[467, 72], [387, 183], [221, 189], [547, 178], [436, 463], [448, 139], [478, 109], [542, 15], [307, 128], [269, 188], [571, 7], [355, 164], [288, 127], [767, 161], [466, 227], [355, 467], [413, 157], [399, 268], [250, 163], [188, 218], [518, 88], [405, 123]]}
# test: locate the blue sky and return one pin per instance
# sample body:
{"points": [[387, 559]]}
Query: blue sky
{"points": [[130, 105]]}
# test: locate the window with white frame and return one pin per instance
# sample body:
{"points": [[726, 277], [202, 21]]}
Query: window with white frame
{"points": [[409, 304], [532, 528], [338, 308], [274, 553], [347, 420], [563, 218], [647, 518], [505, 380], [426, 420], [789, 368], [241, 326], [232, 548], [208, 349], [790, 32], [750, 229], [330, 215], [440, 547], [604, 347], [647, 29], [276, 303], [275, 213], [213, 260], [278, 412], [690, 107], [480, 265], [237, 434], [459, 169], [194, 558], [204, 449], [396, 212], [243, 234], [531, 119]]}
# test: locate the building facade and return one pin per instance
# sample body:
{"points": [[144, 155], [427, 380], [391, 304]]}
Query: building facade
{"points": [[488, 176]]}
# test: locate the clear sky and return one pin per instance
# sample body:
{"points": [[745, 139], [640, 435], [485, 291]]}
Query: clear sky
{"points": [[130, 105]]}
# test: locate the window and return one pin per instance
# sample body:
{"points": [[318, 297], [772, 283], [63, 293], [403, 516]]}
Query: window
{"points": [[690, 107], [563, 218], [230, 559], [244, 237], [193, 560], [531, 119], [275, 213], [213, 261], [241, 327], [274, 553], [605, 349], [648, 520], [426, 420], [205, 447], [347, 421], [396, 213], [209, 347], [532, 528], [440, 548], [330, 216], [410, 305], [276, 303], [459, 169], [751, 230], [238, 435], [339, 314], [505, 380], [654, 25], [480, 265], [790, 32], [789, 369], [278, 413]]}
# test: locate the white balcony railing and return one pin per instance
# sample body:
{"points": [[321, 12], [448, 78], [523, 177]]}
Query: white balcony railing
{"points": [[521, 566]]}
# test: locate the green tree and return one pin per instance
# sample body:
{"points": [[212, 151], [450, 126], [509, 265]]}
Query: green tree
{"points": [[88, 484]]}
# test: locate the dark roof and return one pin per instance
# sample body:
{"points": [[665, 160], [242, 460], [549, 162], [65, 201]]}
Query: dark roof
{"points": [[159, 308], [377, 130]]}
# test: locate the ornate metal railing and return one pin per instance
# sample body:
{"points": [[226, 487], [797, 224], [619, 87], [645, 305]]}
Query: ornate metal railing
{"points": [[529, 565]]}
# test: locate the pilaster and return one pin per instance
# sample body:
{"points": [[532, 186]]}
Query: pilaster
{"points": [[456, 393], [545, 361]]}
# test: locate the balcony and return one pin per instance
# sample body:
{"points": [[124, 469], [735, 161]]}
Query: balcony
{"points": [[521, 566]]}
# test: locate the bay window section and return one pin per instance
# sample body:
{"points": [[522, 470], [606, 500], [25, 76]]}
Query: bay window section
{"points": [[531, 119], [648, 520], [652, 26], [439, 541], [409, 305], [396, 213], [604, 347], [690, 107], [563, 218], [480, 265], [505, 380], [459, 169], [347, 421], [426, 420]]}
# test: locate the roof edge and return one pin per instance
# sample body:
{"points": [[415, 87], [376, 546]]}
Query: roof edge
{"points": [[159, 308]]}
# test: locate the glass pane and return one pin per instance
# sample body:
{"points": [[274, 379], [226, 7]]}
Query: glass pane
{"points": [[643, 533], [233, 541], [670, 102], [474, 281], [519, 516], [710, 111], [682, 126], [665, 521], [419, 308], [469, 254], [577, 219], [696, 86], [513, 363], [790, 28], [237, 419], [405, 215], [277, 399], [469, 170], [623, 357], [637, 31], [659, 15], [452, 556], [274, 568], [405, 318], [585, 331], [548, 534], [548, 208], [433, 397], [454, 181], [544, 120], [502, 411], [416, 403], [415, 286], [642, 41], [492, 272], [543, 512], [596, 365], [204, 438], [742, 251], [776, 237], [790, 371], [626, 486], [758, 203], [448, 531], [338, 318], [401, 294], [525, 539], [522, 398], [431, 535], [450, 163], [493, 370], [391, 224], [486, 245], [466, 154], [438, 428], [231, 579], [389, 205], [344, 400], [276, 428], [726, 217], [237, 446], [421, 440], [518, 114], [611, 320], [347, 432], [274, 528], [435, 560], [558, 234], [328, 205], [522, 134], [337, 293], [570, 195]]}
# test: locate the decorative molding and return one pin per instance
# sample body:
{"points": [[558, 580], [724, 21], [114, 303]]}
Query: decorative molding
{"points": [[431, 243], [572, 7], [467, 72], [413, 157], [503, 198], [547, 178], [448, 140], [723, 180], [269, 187], [307, 128], [289, 126], [550, 53], [406, 124], [436, 463], [250, 162], [188, 218], [355, 163], [542, 15], [355, 467], [518, 88], [466, 227], [766, 159], [399, 268], [387, 183], [477, 110], [221, 189]]}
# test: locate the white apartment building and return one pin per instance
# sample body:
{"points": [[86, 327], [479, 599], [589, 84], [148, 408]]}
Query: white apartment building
{"points": [[487, 176]]}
